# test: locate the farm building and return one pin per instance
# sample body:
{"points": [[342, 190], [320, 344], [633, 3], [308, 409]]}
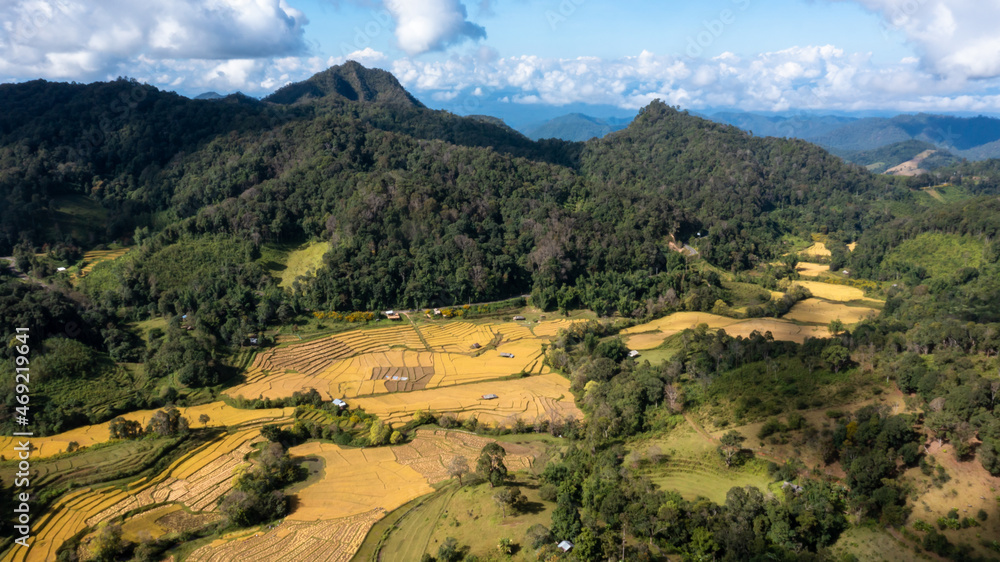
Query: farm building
{"points": [[490, 397], [565, 546], [392, 315], [507, 355], [339, 403], [518, 318], [60, 269], [476, 346], [633, 354]]}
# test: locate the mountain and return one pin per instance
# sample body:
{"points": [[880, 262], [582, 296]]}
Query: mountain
{"points": [[883, 159], [574, 127], [349, 81], [802, 126], [209, 96], [975, 138]]}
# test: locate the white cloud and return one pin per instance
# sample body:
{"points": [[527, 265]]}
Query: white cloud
{"points": [[811, 77], [81, 40], [432, 25], [956, 38]]}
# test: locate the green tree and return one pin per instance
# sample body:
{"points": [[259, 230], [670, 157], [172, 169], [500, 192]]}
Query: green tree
{"points": [[730, 446], [121, 428], [449, 551], [509, 498], [837, 356], [108, 545], [490, 464], [380, 433]]}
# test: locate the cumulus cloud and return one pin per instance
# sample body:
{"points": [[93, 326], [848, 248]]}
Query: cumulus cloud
{"points": [[956, 38], [79, 39], [432, 25], [799, 78]]}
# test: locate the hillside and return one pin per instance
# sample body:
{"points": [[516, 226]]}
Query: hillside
{"points": [[883, 159], [575, 127]]}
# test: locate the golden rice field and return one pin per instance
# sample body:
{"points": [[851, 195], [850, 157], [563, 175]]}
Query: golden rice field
{"points": [[542, 397], [95, 257], [809, 269], [431, 450], [819, 311], [780, 329], [219, 413], [333, 515], [653, 334], [379, 361], [197, 480], [333, 540], [355, 481], [832, 292], [818, 249]]}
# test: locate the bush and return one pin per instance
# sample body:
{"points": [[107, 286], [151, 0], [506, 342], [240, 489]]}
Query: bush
{"points": [[548, 492], [771, 427]]}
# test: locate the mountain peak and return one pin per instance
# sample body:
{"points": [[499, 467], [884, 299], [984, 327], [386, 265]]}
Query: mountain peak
{"points": [[349, 81]]}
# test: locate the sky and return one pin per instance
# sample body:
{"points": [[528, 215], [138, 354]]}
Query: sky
{"points": [[523, 58]]}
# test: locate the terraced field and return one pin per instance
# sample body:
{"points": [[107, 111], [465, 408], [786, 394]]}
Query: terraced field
{"points": [[358, 487], [533, 398], [400, 358], [94, 257], [196, 480], [220, 415], [806, 319]]}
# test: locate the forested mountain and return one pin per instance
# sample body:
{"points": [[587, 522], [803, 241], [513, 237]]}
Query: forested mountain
{"points": [[803, 126], [575, 127], [882, 159], [433, 196], [975, 138], [350, 81]]}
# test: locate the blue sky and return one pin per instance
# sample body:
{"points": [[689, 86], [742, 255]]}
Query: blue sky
{"points": [[521, 57]]}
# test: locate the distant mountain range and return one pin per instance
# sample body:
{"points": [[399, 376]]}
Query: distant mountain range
{"points": [[575, 127], [974, 138]]}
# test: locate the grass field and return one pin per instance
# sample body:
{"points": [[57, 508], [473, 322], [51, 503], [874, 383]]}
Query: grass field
{"points": [[303, 261]]}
